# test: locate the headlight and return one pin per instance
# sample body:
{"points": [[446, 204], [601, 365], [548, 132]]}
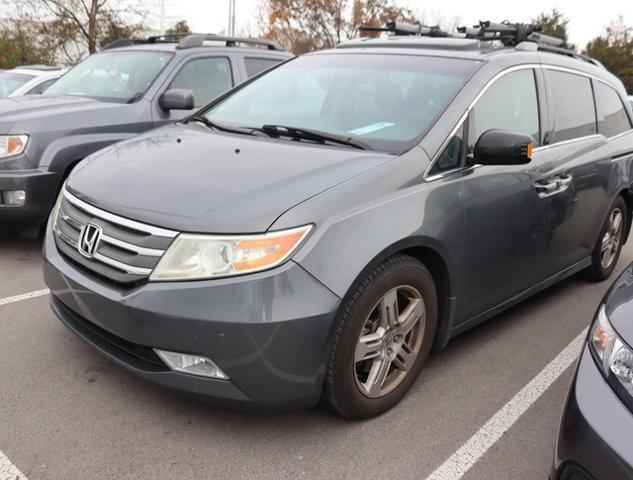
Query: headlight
{"points": [[195, 257], [57, 206], [614, 357], [11, 145]]}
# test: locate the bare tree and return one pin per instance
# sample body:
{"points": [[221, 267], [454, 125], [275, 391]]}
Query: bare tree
{"points": [[83, 22], [306, 25]]}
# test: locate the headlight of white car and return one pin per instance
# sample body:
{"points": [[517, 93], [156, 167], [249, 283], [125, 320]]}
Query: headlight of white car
{"points": [[196, 257], [613, 355], [11, 145]]}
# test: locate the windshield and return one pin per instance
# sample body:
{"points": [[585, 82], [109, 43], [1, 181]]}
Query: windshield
{"points": [[10, 82], [112, 76], [385, 101]]}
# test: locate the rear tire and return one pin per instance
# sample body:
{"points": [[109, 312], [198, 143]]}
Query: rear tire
{"points": [[384, 336], [606, 252]]}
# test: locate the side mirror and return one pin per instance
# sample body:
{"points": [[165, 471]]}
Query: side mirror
{"points": [[501, 147], [176, 99]]}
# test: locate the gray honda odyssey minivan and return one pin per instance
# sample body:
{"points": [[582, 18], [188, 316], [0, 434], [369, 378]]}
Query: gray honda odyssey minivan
{"points": [[315, 231]]}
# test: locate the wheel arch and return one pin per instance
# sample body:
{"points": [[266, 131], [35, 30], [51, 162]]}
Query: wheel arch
{"points": [[437, 260]]}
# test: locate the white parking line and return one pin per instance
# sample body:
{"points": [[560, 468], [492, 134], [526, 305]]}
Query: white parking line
{"points": [[456, 466], [24, 296], [8, 471]]}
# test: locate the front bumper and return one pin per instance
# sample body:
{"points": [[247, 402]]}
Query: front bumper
{"points": [[269, 332], [594, 441], [41, 190]]}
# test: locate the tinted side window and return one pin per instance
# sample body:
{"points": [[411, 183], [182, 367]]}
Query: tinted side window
{"points": [[207, 78], [511, 103], [574, 109], [39, 89], [257, 65], [451, 156], [612, 116]]}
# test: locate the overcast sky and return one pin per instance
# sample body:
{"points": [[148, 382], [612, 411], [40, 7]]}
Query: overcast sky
{"points": [[588, 17]]}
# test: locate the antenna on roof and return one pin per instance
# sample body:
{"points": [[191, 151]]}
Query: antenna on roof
{"points": [[402, 29]]}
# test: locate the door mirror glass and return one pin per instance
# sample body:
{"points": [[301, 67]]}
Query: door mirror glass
{"points": [[176, 99], [501, 147]]}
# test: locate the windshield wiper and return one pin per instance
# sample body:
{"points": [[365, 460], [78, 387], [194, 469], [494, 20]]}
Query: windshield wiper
{"points": [[314, 135], [134, 98], [217, 126]]}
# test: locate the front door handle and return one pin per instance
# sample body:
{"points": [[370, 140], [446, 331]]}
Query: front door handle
{"points": [[545, 188], [553, 185]]}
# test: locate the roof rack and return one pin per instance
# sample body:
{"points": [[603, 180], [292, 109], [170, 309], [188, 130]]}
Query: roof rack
{"points": [[197, 40], [192, 40], [523, 37], [511, 34], [402, 29]]}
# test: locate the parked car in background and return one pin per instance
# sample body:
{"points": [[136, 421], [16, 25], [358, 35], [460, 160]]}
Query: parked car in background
{"points": [[28, 80], [594, 441], [312, 233], [130, 87]]}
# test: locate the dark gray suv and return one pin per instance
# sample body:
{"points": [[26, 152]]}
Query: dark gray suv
{"points": [[130, 87], [313, 233]]}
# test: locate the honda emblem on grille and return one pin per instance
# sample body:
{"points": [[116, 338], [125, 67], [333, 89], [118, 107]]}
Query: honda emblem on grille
{"points": [[89, 239]]}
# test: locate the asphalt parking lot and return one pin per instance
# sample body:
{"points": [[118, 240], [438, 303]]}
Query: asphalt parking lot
{"points": [[67, 413]]}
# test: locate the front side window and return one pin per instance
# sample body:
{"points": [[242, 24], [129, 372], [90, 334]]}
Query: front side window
{"points": [[612, 116], [10, 82], [451, 156], [574, 109], [385, 101], [511, 103], [207, 78], [116, 76]]}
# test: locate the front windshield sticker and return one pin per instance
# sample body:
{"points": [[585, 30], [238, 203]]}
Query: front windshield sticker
{"points": [[374, 127]]}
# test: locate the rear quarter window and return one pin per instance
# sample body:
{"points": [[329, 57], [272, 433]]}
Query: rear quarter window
{"points": [[574, 108], [255, 66], [612, 116]]}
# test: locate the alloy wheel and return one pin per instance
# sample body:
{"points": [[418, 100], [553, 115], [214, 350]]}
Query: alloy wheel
{"points": [[390, 341], [611, 238]]}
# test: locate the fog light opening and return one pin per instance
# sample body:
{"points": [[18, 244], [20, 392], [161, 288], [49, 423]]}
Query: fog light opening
{"points": [[14, 198], [191, 364]]}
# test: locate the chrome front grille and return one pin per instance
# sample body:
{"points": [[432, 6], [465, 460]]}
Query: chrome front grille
{"points": [[127, 250]]}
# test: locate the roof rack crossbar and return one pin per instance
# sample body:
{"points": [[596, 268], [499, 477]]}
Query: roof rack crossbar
{"points": [[402, 29], [197, 40]]}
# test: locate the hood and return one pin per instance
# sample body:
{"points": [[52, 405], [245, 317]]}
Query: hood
{"points": [[192, 179], [25, 114]]}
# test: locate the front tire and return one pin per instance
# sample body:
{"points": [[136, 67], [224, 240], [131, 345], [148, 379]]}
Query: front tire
{"points": [[384, 336], [606, 252]]}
